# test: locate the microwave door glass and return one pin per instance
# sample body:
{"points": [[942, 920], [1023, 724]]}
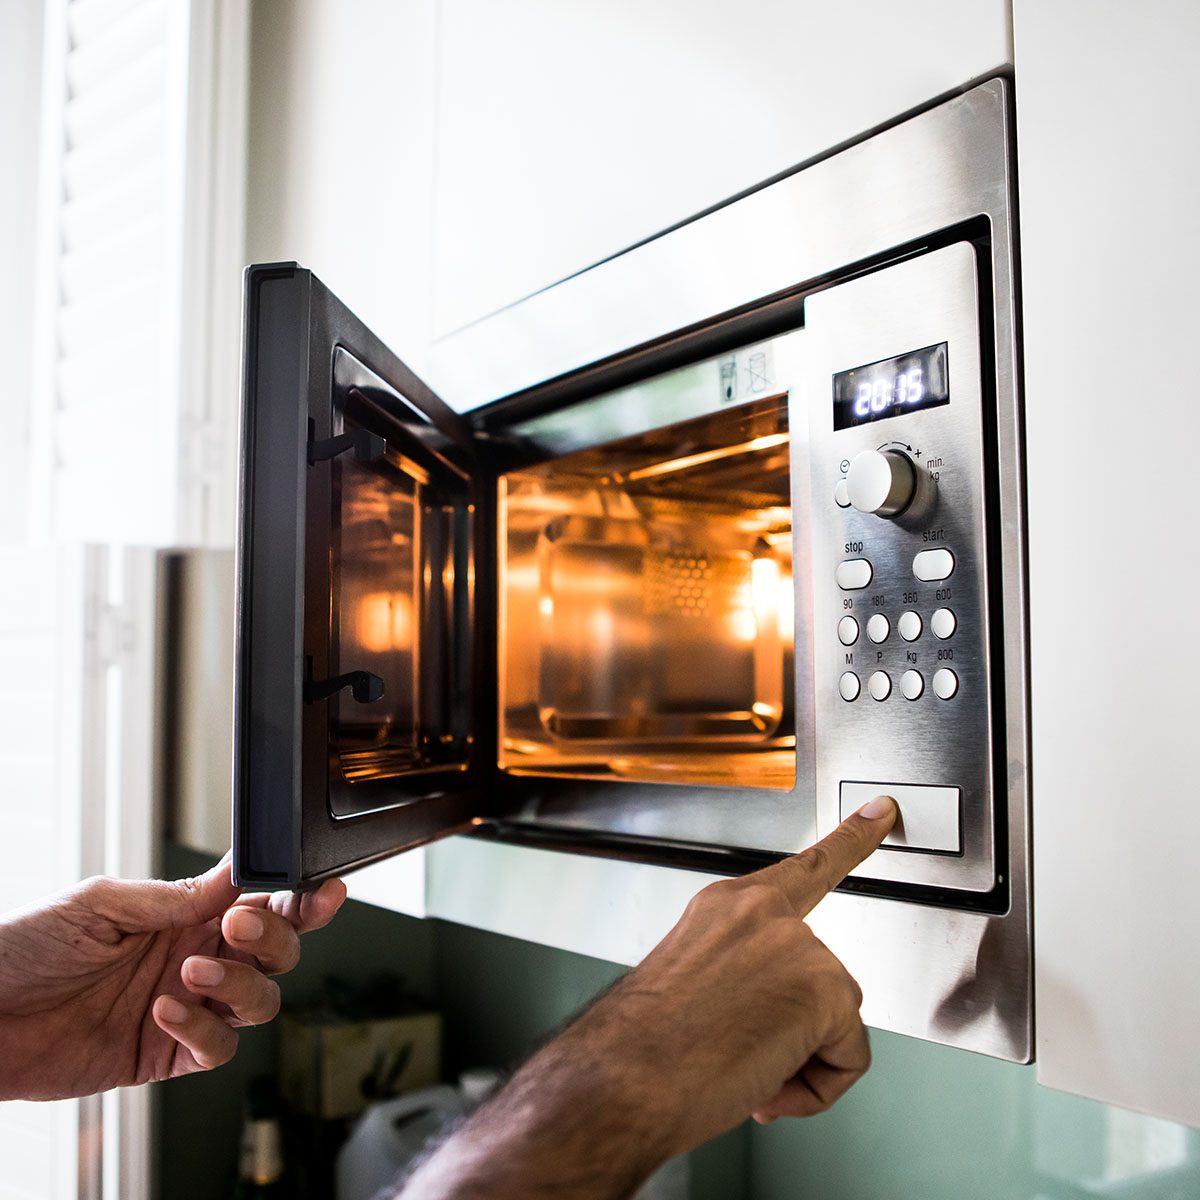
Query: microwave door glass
{"points": [[358, 664], [399, 562]]}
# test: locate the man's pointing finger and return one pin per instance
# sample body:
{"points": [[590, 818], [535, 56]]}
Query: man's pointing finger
{"points": [[806, 878]]}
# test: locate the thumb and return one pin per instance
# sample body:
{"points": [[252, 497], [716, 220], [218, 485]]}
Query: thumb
{"points": [[179, 903]]}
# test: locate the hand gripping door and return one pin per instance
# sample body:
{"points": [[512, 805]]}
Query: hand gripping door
{"points": [[357, 655]]}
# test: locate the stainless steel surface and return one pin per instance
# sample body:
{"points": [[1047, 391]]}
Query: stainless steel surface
{"points": [[924, 300], [959, 977], [740, 376]]}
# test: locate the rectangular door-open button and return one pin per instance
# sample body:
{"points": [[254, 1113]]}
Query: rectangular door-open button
{"points": [[930, 817]]}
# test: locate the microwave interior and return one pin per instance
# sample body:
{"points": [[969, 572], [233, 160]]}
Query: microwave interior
{"points": [[646, 623]]}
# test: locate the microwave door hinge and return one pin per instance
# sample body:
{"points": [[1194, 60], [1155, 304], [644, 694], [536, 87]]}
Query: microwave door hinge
{"points": [[364, 687], [368, 447]]}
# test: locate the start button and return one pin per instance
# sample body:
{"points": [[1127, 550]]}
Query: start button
{"points": [[930, 817]]}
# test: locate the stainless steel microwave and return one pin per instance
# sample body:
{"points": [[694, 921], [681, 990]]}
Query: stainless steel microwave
{"points": [[691, 585]]}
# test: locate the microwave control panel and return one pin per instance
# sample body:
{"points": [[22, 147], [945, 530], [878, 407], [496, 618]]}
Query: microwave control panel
{"points": [[902, 670]]}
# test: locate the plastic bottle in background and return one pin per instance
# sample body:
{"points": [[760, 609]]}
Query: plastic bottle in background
{"points": [[389, 1136], [477, 1084], [260, 1159]]}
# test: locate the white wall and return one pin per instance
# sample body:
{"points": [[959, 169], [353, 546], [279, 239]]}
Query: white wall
{"points": [[1107, 97]]}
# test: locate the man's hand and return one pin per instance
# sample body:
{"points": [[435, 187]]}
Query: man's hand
{"points": [[118, 982], [739, 1011]]}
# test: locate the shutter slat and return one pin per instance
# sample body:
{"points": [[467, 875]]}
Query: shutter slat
{"points": [[79, 433], [98, 380], [136, 85], [136, 142], [94, 58], [87, 18], [94, 321], [133, 196], [94, 266]]}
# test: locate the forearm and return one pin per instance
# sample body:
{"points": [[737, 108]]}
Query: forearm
{"points": [[578, 1120], [740, 1010]]}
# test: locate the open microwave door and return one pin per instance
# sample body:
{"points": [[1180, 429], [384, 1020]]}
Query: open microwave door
{"points": [[357, 649]]}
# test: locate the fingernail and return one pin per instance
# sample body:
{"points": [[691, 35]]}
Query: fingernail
{"points": [[881, 806], [247, 925], [204, 972], [172, 1011]]}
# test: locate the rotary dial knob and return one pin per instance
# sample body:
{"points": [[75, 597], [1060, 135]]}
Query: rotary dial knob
{"points": [[882, 482]]}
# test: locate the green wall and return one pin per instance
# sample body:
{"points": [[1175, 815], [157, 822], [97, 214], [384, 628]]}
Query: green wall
{"points": [[503, 997], [926, 1123], [937, 1124]]}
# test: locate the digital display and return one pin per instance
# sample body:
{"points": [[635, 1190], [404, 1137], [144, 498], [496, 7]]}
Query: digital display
{"points": [[919, 379]]}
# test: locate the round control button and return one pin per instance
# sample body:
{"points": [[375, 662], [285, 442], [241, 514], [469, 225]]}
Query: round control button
{"points": [[945, 683], [847, 631], [909, 625], [849, 686], [841, 494], [879, 685], [878, 628], [912, 685], [882, 482], [943, 623]]}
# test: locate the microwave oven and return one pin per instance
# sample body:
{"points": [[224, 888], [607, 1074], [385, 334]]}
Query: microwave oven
{"points": [[699, 579]]}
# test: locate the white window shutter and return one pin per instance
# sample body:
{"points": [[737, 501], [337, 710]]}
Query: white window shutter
{"points": [[139, 252], [132, 416]]}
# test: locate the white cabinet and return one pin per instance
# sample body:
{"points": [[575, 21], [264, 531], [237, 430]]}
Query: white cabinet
{"points": [[1109, 168], [341, 154], [433, 162], [568, 132]]}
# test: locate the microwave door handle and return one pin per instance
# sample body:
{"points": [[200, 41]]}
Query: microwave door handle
{"points": [[364, 687], [368, 447]]}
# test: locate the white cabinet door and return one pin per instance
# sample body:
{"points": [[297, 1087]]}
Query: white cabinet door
{"points": [[1110, 165], [567, 132], [476, 152], [340, 162]]}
